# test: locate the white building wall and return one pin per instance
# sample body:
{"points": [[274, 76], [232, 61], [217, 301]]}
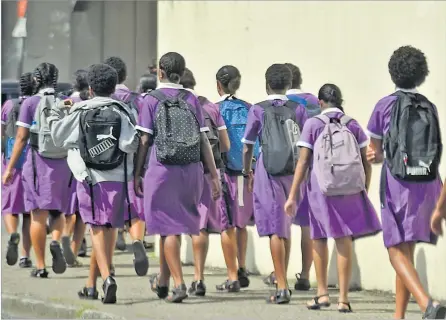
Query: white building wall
{"points": [[348, 43]]}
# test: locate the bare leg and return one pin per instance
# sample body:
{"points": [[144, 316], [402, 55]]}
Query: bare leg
{"points": [[93, 272], [402, 261], [277, 246], [26, 238], [287, 243], [137, 229], [229, 246], [70, 221], [38, 235], [306, 246], [344, 247], [242, 245], [172, 245], [100, 247], [320, 256], [11, 222], [402, 294], [200, 245], [78, 235]]}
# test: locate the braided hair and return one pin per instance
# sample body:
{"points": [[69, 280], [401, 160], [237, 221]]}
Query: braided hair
{"points": [[46, 76], [229, 78], [26, 84], [172, 66], [331, 94]]}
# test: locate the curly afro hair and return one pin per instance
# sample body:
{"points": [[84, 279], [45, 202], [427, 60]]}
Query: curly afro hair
{"points": [[278, 77], [119, 65], [102, 79], [408, 67]]}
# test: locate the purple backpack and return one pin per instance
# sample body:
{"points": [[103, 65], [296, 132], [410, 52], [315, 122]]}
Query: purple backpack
{"points": [[337, 159]]}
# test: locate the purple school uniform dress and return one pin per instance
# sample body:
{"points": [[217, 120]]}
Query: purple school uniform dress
{"points": [[337, 216], [214, 217], [270, 192], [46, 189], [122, 93], [171, 193], [241, 210], [73, 201], [311, 98], [12, 193], [407, 207]]}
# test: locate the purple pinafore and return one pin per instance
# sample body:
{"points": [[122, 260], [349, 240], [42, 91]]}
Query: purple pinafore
{"points": [[337, 216], [407, 207], [171, 193], [270, 192]]}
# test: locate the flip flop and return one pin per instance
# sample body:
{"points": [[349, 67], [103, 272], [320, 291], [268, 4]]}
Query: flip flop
{"points": [[343, 310], [317, 305]]}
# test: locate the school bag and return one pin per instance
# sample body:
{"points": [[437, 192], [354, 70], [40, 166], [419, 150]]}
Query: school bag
{"points": [[235, 113], [280, 134], [177, 131], [312, 109], [130, 101], [213, 136], [40, 134], [337, 160], [413, 145], [11, 131]]}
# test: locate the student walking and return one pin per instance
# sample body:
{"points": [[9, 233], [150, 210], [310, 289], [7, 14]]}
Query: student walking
{"points": [[333, 147], [101, 138], [277, 122], [135, 218], [240, 200], [410, 182], [214, 214], [46, 192], [13, 204], [179, 143], [73, 240]]}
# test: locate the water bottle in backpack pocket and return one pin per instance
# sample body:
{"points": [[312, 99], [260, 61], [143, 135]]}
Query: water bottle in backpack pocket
{"points": [[235, 115], [337, 161], [280, 134]]}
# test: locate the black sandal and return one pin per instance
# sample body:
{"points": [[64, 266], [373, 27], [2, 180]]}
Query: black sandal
{"points": [[178, 294], [229, 286], [161, 291], [88, 293], [437, 312], [342, 310], [301, 283], [317, 305], [110, 287], [39, 273], [270, 280], [282, 296]]}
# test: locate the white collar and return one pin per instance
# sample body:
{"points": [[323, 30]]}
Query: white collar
{"points": [[331, 110], [294, 91], [277, 97], [47, 90], [75, 94], [413, 90], [192, 91], [169, 85], [224, 97], [121, 86]]}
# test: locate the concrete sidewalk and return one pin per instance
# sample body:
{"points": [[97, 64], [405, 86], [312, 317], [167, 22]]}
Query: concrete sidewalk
{"points": [[56, 297]]}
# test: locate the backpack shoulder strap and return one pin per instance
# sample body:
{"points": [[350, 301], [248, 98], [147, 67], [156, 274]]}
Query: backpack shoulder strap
{"points": [[265, 104], [325, 119], [345, 120], [183, 94], [202, 100], [158, 95]]}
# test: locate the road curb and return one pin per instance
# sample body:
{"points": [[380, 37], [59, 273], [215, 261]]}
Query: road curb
{"points": [[37, 308]]}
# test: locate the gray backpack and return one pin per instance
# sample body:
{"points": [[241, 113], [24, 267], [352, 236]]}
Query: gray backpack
{"points": [[337, 159], [40, 133]]}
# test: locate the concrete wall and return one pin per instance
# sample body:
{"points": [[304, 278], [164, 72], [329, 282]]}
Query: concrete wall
{"points": [[75, 39], [348, 43]]}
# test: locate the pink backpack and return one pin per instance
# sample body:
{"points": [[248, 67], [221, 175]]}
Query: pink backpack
{"points": [[337, 160]]}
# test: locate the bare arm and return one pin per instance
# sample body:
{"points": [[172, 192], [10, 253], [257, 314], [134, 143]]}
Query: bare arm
{"points": [[301, 171], [367, 168], [377, 147], [19, 144], [141, 155], [225, 144], [208, 157], [441, 203], [248, 151]]}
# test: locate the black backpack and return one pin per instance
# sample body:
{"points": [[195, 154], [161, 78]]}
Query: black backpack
{"points": [[280, 134], [99, 132], [177, 132], [130, 101], [412, 144], [213, 136]]}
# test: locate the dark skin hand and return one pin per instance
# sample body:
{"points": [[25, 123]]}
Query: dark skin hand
{"points": [[439, 213], [248, 151]]}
